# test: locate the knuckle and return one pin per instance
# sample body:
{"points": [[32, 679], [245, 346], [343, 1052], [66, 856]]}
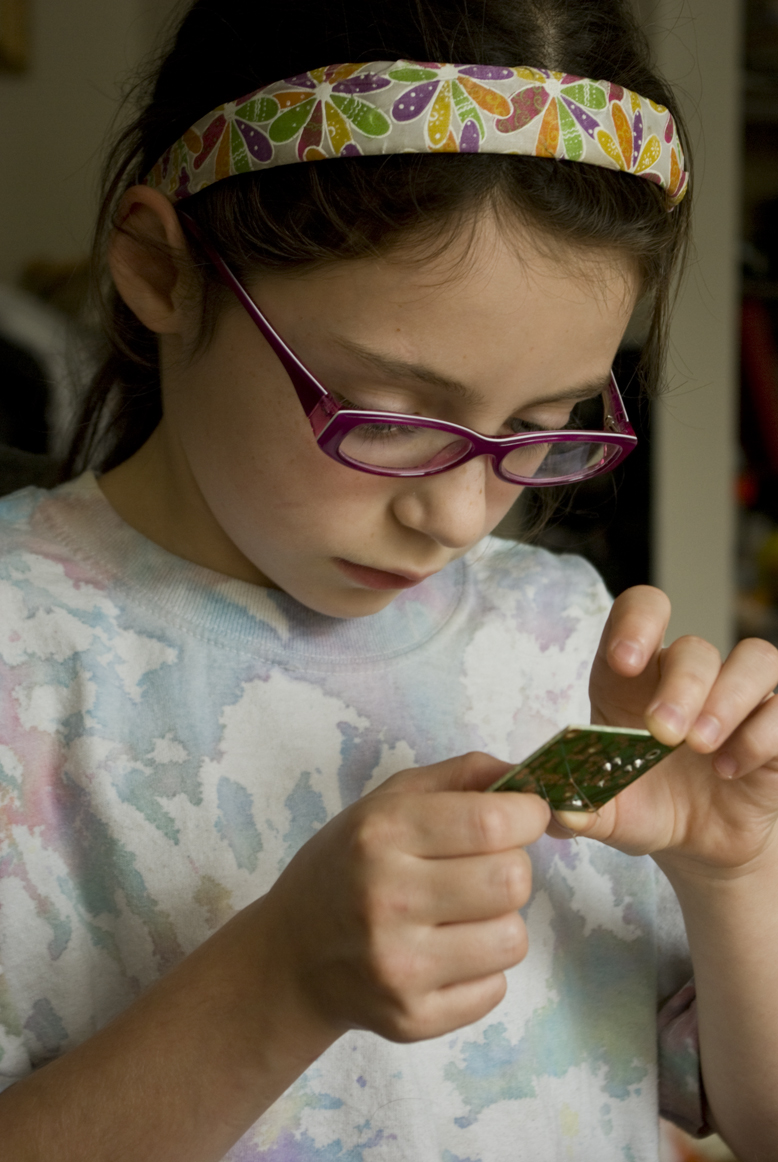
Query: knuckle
{"points": [[372, 832], [760, 651], [491, 824], [413, 1022], [395, 970], [517, 880], [515, 940], [691, 641]]}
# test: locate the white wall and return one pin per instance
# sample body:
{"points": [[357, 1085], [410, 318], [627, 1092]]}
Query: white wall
{"points": [[698, 45], [54, 119]]}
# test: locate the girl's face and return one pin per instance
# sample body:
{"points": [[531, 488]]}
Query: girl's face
{"points": [[479, 338]]}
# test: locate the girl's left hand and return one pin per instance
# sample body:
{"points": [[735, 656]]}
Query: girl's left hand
{"points": [[711, 805]]}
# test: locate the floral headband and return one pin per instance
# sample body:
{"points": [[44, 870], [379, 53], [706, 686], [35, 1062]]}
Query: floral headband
{"points": [[354, 110]]}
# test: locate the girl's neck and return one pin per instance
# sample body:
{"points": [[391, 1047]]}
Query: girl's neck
{"points": [[156, 493]]}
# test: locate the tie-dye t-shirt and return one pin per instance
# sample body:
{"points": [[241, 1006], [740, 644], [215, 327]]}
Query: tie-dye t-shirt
{"points": [[170, 737]]}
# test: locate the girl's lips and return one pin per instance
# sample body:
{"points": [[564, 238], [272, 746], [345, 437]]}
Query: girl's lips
{"points": [[378, 578]]}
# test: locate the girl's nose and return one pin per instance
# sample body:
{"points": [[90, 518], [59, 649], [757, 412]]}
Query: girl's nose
{"points": [[451, 508]]}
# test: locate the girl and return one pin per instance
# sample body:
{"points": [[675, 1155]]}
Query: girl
{"points": [[251, 906]]}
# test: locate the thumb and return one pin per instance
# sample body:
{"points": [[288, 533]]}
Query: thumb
{"points": [[468, 772], [592, 824]]}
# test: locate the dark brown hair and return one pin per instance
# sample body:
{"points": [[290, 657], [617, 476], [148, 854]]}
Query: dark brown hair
{"points": [[297, 215]]}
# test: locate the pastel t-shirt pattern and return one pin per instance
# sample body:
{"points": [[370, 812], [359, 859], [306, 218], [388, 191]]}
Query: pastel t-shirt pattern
{"points": [[170, 738]]}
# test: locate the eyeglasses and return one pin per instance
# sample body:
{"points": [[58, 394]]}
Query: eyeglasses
{"points": [[394, 444]]}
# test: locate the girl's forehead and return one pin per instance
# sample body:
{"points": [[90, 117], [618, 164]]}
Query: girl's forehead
{"points": [[488, 316], [486, 270]]}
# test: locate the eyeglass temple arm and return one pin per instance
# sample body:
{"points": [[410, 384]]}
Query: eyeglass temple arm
{"points": [[617, 413], [310, 393]]}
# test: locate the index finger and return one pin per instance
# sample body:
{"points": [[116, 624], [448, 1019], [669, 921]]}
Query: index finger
{"points": [[635, 629], [447, 824]]}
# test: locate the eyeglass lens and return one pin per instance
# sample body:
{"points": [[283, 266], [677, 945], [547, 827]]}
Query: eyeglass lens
{"points": [[408, 446]]}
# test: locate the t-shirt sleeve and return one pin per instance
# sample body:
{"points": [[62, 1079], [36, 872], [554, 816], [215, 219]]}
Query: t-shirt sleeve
{"points": [[681, 1091]]}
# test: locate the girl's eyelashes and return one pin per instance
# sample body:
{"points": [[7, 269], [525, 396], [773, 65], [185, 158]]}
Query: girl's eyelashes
{"points": [[516, 425]]}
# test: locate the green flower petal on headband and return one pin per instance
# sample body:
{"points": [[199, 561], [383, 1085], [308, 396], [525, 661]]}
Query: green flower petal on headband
{"points": [[363, 116], [412, 74], [258, 110], [289, 124]]}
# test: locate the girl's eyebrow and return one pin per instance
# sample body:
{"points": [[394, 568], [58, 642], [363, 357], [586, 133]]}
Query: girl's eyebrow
{"points": [[402, 369]]}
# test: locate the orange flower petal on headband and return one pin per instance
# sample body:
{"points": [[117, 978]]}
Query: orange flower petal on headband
{"points": [[609, 146], [488, 100], [193, 141], [334, 73], [448, 146], [223, 159], [650, 155], [548, 137], [439, 122], [675, 174], [527, 74], [289, 99], [623, 133], [337, 128]]}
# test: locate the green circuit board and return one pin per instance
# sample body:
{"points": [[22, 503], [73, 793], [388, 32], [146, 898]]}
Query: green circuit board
{"points": [[583, 767]]}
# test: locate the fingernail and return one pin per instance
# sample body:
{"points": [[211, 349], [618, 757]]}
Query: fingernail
{"points": [[708, 729], [670, 716], [629, 653], [725, 765], [581, 819]]}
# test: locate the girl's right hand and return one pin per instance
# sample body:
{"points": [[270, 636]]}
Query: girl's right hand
{"points": [[401, 915]]}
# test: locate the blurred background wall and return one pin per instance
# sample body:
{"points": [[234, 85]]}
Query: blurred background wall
{"points": [[54, 117]]}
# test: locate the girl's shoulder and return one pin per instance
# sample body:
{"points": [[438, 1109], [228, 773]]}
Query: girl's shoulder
{"points": [[34, 522], [45, 576], [502, 571]]}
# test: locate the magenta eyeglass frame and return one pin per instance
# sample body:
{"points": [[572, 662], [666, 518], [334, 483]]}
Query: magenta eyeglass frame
{"points": [[331, 422]]}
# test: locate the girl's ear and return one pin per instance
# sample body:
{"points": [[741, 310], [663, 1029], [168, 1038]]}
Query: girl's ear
{"points": [[147, 255]]}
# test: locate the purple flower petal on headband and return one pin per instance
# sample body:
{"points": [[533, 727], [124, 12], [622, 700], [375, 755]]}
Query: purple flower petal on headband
{"points": [[637, 137], [413, 103], [302, 80], [488, 73], [368, 83], [182, 189], [470, 139], [351, 150], [256, 143], [584, 119]]}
